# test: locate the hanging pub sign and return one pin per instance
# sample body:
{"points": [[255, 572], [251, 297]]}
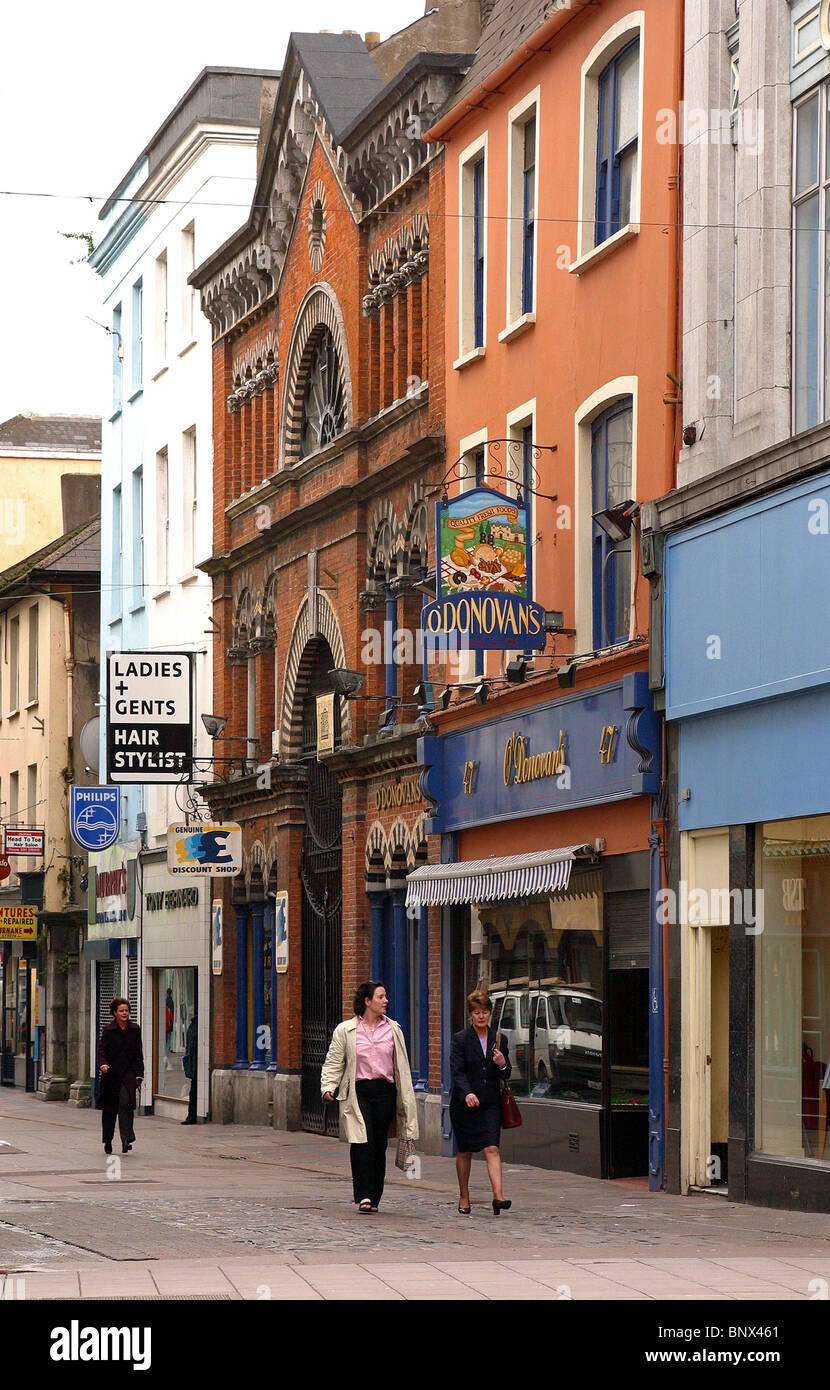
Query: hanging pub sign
{"points": [[484, 576], [149, 717]]}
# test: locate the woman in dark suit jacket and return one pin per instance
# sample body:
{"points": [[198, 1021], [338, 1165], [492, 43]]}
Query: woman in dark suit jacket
{"points": [[479, 1062], [121, 1060]]}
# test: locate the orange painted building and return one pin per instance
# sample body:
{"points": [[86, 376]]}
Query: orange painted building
{"points": [[562, 254]]}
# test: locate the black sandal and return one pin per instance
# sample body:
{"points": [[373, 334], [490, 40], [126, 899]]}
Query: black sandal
{"points": [[365, 1207]]}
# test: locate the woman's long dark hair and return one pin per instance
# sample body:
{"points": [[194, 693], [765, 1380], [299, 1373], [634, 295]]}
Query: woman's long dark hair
{"points": [[365, 992]]}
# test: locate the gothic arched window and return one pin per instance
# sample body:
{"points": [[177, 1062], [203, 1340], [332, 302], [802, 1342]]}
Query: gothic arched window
{"points": [[324, 399]]}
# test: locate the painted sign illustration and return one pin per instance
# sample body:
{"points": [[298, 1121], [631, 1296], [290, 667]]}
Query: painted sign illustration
{"points": [[281, 931], [216, 935], [484, 575]]}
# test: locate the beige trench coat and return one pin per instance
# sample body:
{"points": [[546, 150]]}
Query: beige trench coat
{"points": [[338, 1076]]}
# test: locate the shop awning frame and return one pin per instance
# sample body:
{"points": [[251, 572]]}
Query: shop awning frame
{"points": [[494, 880]]}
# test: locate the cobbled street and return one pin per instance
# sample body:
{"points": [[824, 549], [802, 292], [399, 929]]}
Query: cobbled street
{"points": [[248, 1213]]}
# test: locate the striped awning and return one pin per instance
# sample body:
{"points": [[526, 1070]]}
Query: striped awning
{"points": [[493, 880]]}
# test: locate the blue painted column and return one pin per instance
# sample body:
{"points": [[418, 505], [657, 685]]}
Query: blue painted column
{"points": [[272, 909], [377, 900], [423, 995], [258, 966], [656, 1007], [400, 961], [449, 855], [241, 987]]}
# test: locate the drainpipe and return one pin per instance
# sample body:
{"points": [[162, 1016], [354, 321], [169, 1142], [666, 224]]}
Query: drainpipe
{"points": [[656, 1007], [69, 658]]}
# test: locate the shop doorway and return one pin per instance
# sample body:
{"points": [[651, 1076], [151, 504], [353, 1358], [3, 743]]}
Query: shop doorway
{"points": [[321, 876], [705, 869]]}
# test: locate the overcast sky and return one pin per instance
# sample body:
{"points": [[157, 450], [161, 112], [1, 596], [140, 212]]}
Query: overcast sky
{"points": [[82, 92]]}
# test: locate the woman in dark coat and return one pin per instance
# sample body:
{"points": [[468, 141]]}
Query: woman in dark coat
{"points": [[479, 1062], [121, 1060]]}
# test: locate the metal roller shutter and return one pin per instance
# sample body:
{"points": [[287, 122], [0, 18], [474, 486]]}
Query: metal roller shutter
{"points": [[132, 987], [627, 924]]}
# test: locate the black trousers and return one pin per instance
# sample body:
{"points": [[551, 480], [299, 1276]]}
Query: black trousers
{"points": [[191, 1107], [377, 1101], [125, 1114]]}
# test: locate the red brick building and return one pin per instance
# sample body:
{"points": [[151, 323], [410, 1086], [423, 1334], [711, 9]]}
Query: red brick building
{"points": [[327, 314]]}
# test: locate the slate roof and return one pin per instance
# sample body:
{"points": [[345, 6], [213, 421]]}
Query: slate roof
{"points": [[78, 553], [70, 434], [417, 66], [511, 24], [341, 73]]}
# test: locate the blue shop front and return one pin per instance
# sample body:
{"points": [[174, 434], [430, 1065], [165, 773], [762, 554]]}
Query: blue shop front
{"points": [[545, 886], [747, 671]]}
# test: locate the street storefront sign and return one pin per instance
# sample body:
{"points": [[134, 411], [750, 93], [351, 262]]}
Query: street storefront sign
{"points": [[150, 717], [484, 576], [18, 923], [112, 893], [281, 931], [25, 842], [204, 849], [171, 900], [580, 750], [216, 935], [5, 867], [94, 816]]}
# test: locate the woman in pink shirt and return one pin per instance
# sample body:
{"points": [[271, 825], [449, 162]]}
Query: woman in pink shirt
{"points": [[368, 1068]]}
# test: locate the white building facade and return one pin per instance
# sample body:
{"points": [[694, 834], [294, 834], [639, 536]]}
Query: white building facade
{"points": [[179, 202]]}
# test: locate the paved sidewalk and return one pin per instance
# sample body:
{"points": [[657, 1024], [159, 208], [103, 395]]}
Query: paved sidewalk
{"points": [[248, 1213]]}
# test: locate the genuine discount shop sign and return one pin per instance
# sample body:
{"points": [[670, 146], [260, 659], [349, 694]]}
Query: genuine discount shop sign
{"points": [[149, 717], [18, 923]]}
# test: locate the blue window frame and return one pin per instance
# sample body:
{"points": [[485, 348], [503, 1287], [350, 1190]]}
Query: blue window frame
{"points": [[478, 252], [617, 140], [528, 214], [480, 468], [611, 481], [527, 467]]}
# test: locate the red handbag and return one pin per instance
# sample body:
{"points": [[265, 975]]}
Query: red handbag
{"points": [[511, 1115]]}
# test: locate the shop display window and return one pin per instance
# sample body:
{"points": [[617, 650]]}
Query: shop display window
{"points": [[792, 989], [175, 1012], [541, 961]]}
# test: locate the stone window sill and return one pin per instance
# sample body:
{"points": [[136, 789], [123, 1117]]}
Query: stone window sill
{"points": [[464, 361], [598, 253], [517, 328]]}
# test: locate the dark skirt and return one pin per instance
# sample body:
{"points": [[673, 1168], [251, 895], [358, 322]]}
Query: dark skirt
{"points": [[477, 1128]]}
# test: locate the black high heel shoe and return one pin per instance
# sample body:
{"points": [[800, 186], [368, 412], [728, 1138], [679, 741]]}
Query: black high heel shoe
{"points": [[465, 1211], [500, 1206]]}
